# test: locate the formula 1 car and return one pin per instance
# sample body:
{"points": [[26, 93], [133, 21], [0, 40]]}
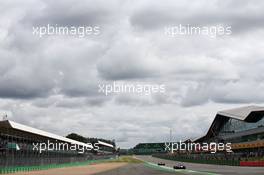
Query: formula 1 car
{"points": [[161, 164], [179, 166]]}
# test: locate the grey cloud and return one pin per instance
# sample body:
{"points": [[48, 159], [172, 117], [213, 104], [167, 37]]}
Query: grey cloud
{"points": [[20, 81], [129, 63], [134, 100], [55, 79], [82, 13], [81, 102], [169, 13], [224, 92], [144, 100]]}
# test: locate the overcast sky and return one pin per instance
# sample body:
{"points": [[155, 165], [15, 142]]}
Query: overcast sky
{"points": [[51, 82]]}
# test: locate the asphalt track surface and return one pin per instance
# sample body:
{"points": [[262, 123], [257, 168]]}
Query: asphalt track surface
{"points": [[149, 167], [136, 169], [194, 168]]}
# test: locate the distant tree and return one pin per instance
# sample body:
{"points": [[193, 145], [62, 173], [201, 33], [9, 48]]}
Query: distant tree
{"points": [[77, 137]]}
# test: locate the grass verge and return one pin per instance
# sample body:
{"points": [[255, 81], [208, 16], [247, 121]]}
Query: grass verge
{"points": [[126, 159]]}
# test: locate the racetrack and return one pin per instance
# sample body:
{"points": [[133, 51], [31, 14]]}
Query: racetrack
{"points": [[148, 166], [137, 169], [101, 169], [217, 169], [122, 166], [78, 170]]}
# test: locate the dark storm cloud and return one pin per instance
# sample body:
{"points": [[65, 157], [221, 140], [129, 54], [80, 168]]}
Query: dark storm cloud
{"points": [[20, 80], [78, 89], [123, 69], [82, 102], [133, 101], [20, 91]]}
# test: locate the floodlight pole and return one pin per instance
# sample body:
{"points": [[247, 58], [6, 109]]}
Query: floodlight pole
{"points": [[170, 135]]}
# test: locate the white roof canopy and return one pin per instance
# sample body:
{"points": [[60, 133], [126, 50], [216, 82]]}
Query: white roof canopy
{"points": [[25, 128], [240, 113]]}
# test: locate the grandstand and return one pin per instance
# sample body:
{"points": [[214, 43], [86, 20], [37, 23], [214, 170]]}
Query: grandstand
{"points": [[149, 148], [242, 127], [17, 143]]}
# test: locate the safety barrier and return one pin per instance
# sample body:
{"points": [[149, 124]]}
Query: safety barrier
{"points": [[252, 163], [200, 160]]}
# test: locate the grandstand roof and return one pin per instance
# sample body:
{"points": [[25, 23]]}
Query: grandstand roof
{"points": [[21, 127], [247, 113], [105, 144], [241, 113]]}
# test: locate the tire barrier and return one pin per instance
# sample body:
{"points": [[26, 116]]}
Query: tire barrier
{"points": [[201, 160]]}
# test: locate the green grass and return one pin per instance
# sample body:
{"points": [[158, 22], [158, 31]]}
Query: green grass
{"points": [[126, 159], [6, 170], [122, 159]]}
